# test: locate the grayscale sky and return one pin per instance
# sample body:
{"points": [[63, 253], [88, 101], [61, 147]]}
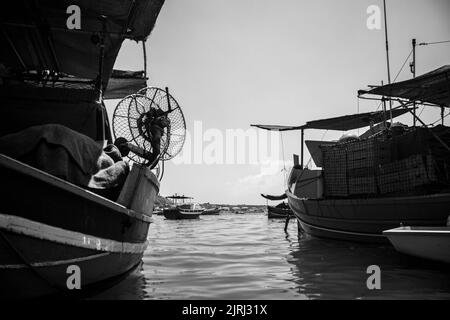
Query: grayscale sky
{"points": [[230, 63]]}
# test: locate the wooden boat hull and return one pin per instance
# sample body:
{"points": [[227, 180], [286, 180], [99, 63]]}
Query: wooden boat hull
{"points": [[176, 214], [46, 273], [48, 224], [365, 219], [211, 212], [423, 242], [280, 213]]}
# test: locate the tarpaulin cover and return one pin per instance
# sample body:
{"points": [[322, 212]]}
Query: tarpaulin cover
{"points": [[343, 123], [274, 127], [66, 154], [274, 198], [34, 34], [24, 105], [432, 87], [178, 197]]}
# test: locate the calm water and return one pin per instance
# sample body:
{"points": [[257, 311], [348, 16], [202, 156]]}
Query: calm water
{"points": [[251, 257]]}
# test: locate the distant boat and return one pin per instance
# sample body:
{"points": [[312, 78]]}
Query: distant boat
{"points": [[237, 210], [183, 210], [211, 211], [281, 210], [431, 243]]}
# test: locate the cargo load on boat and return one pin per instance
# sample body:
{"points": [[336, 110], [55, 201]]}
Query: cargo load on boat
{"points": [[409, 161]]}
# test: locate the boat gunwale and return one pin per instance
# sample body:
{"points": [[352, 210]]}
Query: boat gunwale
{"points": [[45, 177], [416, 230], [46, 232], [373, 200]]}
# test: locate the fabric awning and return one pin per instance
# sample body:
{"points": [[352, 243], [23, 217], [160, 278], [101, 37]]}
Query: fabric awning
{"points": [[274, 198], [271, 127], [178, 197], [35, 35], [354, 121], [432, 87], [343, 123]]}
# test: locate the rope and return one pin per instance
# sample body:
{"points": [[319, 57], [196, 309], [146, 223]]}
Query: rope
{"points": [[282, 153], [403, 65], [440, 119], [398, 73]]}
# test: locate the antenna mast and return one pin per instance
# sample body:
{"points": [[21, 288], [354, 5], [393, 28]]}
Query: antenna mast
{"points": [[412, 65], [387, 55]]}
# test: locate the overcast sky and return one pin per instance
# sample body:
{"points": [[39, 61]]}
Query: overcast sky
{"points": [[230, 63]]}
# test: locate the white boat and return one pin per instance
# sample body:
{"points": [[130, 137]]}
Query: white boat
{"points": [[424, 242]]}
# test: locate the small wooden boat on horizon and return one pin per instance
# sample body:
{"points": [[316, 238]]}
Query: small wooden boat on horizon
{"points": [[211, 211], [432, 243], [183, 210], [281, 210]]}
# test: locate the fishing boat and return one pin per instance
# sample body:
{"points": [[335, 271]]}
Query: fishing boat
{"points": [[281, 210], [431, 243], [62, 232], [211, 211], [237, 210], [181, 210], [389, 175]]}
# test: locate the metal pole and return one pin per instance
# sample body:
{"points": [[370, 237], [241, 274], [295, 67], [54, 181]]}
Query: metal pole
{"points": [[387, 55], [413, 70], [383, 101], [100, 72], [145, 58], [303, 140], [101, 57]]}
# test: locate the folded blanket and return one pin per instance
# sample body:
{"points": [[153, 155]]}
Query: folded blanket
{"points": [[67, 154]]}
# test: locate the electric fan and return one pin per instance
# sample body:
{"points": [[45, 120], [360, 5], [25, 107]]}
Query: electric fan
{"points": [[134, 120]]}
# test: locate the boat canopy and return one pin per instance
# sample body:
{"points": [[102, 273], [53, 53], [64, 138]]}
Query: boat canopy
{"points": [[178, 197], [432, 87], [343, 123], [35, 34], [274, 198]]}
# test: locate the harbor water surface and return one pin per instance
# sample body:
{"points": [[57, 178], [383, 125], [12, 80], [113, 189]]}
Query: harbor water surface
{"points": [[248, 256]]}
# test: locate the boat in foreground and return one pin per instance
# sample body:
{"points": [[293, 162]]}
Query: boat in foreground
{"points": [[431, 243], [364, 220], [74, 217], [62, 225], [388, 176]]}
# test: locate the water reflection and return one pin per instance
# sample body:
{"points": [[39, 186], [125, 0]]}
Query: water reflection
{"points": [[131, 288], [337, 270], [251, 257]]}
